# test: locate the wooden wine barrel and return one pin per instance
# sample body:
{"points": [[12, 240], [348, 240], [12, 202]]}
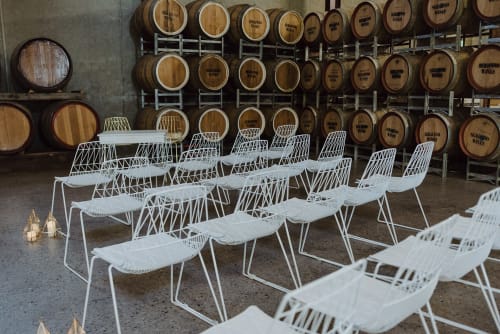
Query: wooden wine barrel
{"points": [[487, 10], [17, 128], [282, 75], [396, 129], [335, 119], [447, 14], [173, 121], [207, 18], [479, 137], [367, 22], [65, 124], [209, 119], [245, 118], [248, 22], [309, 120], [400, 74], [248, 73], [363, 126], [404, 17], [441, 129], [279, 116], [336, 76], [365, 73], [443, 71], [312, 29], [41, 64], [208, 72], [165, 17], [287, 26], [167, 72], [483, 69], [310, 76], [337, 26]]}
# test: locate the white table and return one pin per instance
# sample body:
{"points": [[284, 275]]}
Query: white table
{"points": [[132, 137]]}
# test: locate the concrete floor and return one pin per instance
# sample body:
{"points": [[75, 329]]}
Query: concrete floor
{"points": [[35, 285]]}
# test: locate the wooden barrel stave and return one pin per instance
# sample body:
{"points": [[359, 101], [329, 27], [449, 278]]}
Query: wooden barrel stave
{"points": [[337, 27], [279, 116], [248, 22], [165, 17], [443, 71], [209, 119], [441, 129], [400, 74], [309, 120], [310, 76], [483, 69], [41, 64], [166, 72], [336, 76], [65, 124], [207, 18], [396, 129], [17, 127], [245, 118], [487, 10], [286, 26], [282, 75], [404, 17], [479, 137], [366, 20], [248, 73], [447, 14], [208, 72], [313, 29], [365, 73], [363, 126], [173, 121], [335, 119]]}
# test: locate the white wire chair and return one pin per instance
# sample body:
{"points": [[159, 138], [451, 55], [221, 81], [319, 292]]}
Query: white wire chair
{"points": [[325, 199], [250, 221], [475, 240], [159, 157], [332, 149], [85, 170], [311, 309], [413, 176], [246, 160], [372, 187], [155, 246], [278, 146], [244, 135], [116, 123], [206, 140], [121, 195]]}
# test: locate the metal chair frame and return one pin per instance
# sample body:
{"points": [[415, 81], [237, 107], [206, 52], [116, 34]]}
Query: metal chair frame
{"points": [[116, 123], [279, 143]]}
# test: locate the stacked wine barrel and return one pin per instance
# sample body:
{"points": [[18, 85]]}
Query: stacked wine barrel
{"points": [[42, 65]]}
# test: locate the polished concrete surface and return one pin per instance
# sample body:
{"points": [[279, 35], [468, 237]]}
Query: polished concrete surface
{"points": [[35, 285]]}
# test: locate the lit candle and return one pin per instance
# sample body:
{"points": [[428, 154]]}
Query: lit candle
{"points": [[31, 236], [51, 228], [35, 228]]}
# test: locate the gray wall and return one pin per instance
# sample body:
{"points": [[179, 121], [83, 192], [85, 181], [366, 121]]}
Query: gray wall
{"points": [[96, 34]]}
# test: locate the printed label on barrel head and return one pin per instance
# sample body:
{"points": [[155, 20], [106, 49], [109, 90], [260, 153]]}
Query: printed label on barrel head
{"points": [[312, 28], [438, 71], [254, 24], [169, 16], [392, 131], [433, 129], [480, 136], [398, 14], [396, 73], [291, 27], [365, 20], [441, 12], [334, 26], [362, 127], [364, 74], [334, 76], [484, 69]]}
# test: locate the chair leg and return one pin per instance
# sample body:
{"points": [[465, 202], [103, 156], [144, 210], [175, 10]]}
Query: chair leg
{"points": [[54, 186], [66, 253], [488, 295], [113, 296], [87, 293], [388, 217], [421, 207], [299, 282], [344, 235], [424, 322], [433, 319], [217, 278]]}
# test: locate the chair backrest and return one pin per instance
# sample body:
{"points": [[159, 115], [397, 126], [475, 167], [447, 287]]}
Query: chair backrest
{"points": [[122, 182], [172, 208], [89, 157], [330, 180], [196, 165], [117, 123], [377, 173], [324, 306], [283, 132], [419, 162], [334, 146], [205, 140], [248, 157], [245, 135], [296, 151], [262, 190], [158, 154]]}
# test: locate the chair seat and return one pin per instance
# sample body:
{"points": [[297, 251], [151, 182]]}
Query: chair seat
{"points": [[398, 184], [272, 154], [313, 166], [83, 180], [194, 165], [146, 171], [231, 181], [358, 196], [282, 171], [183, 194], [237, 228], [108, 206], [147, 254], [250, 321], [301, 211], [233, 159]]}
